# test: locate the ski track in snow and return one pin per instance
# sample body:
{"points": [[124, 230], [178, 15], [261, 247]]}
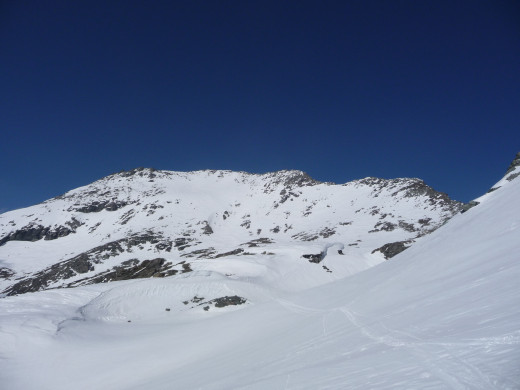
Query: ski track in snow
{"points": [[435, 356]]}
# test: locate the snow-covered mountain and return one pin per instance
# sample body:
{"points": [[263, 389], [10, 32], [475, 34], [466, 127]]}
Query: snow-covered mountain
{"points": [[145, 223], [441, 315]]}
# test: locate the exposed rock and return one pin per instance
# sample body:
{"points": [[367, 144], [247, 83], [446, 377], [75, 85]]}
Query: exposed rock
{"points": [[142, 172], [33, 232], [96, 207], [201, 253], [391, 249], [85, 262], [133, 269], [315, 258], [424, 221], [386, 226], [285, 195], [407, 226], [514, 164], [513, 176], [469, 205], [206, 228], [229, 301], [411, 188], [224, 301], [327, 232], [230, 253], [6, 273], [306, 236], [127, 217], [258, 242], [182, 243]]}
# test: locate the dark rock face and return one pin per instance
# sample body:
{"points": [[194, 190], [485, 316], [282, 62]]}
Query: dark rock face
{"points": [[327, 232], [132, 269], [206, 253], [85, 262], [315, 258], [386, 226], [407, 226], [285, 195], [96, 207], [207, 229], [258, 242], [234, 300], [230, 253], [5, 273], [33, 232], [300, 179], [411, 188], [290, 180], [304, 236], [514, 164], [469, 205], [513, 176], [229, 301], [142, 172], [391, 249]]}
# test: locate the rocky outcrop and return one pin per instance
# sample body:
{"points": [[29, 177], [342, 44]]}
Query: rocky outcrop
{"points": [[469, 205], [315, 258], [85, 262], [130, 269], [133, 269], [234, 252], [411, 188], [36, 232], [514, 164], [6, 273], [96, 207], [393, 248], [229, 301], [221, 302]]}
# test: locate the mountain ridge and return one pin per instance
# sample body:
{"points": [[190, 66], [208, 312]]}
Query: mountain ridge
{"points": [[209, 214]]}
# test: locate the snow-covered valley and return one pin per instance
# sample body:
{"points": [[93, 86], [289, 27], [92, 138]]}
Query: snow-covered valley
{"points": [[225, 280]]}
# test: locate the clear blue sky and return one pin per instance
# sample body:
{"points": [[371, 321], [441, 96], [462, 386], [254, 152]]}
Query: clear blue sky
{"points": [[339, 89]]}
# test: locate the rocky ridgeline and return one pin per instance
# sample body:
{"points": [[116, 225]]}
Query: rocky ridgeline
{"points": [[151, 223]]}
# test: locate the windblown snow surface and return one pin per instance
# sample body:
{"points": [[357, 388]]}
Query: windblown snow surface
{"points": [[444, 314]]}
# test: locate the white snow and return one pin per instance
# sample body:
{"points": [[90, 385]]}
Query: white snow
{"points": [[443, 314]]}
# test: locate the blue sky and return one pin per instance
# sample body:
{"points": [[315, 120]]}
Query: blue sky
{"points": [[339, 89]]}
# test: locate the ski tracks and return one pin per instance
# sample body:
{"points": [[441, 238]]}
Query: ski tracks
{"points": [[455, 372], [441, 358]]}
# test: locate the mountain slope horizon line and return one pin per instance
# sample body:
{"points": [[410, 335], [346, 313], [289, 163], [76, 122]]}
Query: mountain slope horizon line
{"points": [[292, 176]]}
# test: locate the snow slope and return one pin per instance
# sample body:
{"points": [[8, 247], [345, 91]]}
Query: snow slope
{"points": [[440, 315]]}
